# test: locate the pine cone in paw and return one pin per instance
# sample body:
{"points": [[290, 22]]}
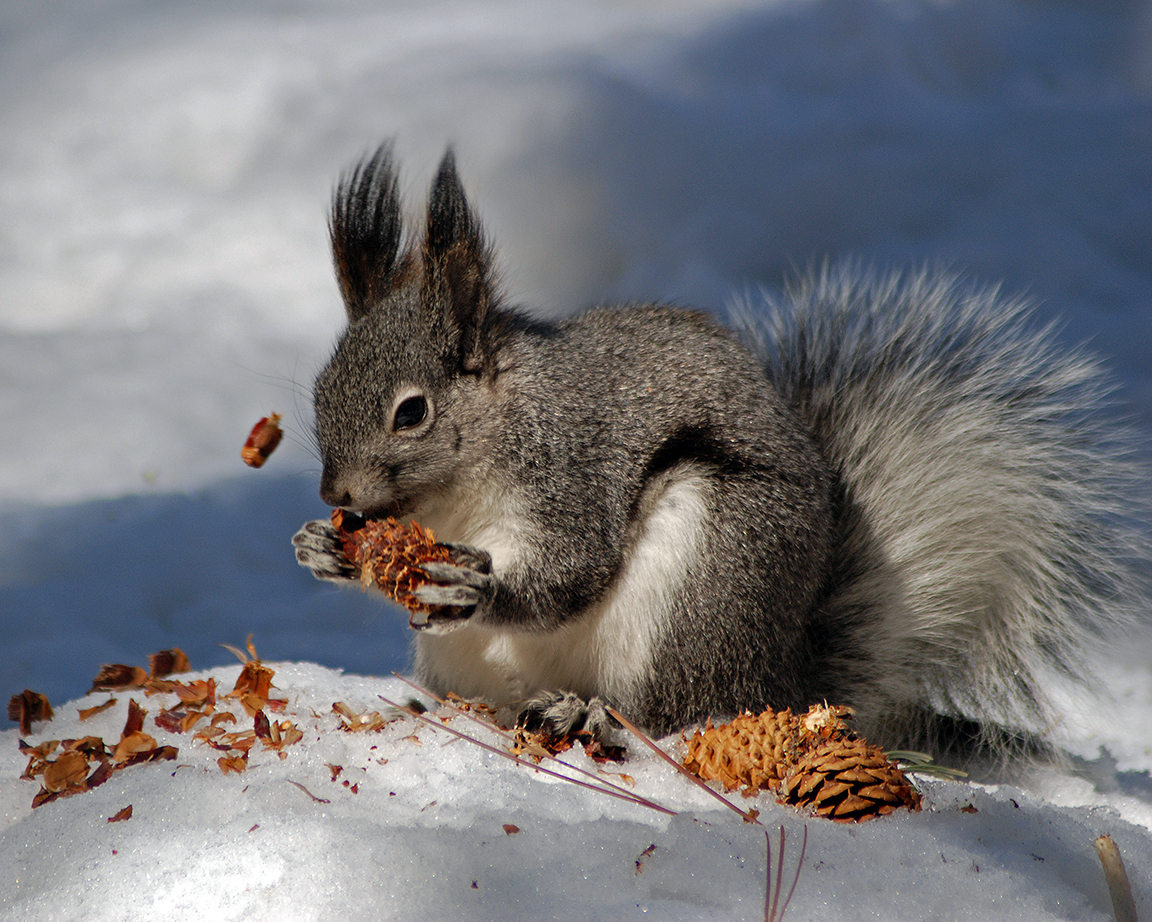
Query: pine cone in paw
{"points": [[390, 555]]}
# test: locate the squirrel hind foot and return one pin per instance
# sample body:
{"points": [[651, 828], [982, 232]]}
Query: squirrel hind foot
{"points": [[559, 713]]}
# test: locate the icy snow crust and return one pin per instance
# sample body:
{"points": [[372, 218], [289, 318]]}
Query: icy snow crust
{"points": [[164, 282]]}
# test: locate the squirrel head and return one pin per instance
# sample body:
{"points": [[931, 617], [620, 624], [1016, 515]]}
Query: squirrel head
{"points": [[397, 405]]}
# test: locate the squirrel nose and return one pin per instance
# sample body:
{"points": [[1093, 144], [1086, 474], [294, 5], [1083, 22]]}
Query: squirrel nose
{"points": [[334, 493], [336, 498]]}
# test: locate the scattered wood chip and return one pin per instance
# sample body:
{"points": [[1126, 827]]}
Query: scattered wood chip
{"points": [[167, 662], [121, 815], [117, 676], [171, 719], [134, 723], [133, 745], [359, 723], [254, 683], [37, 757], [511, 829], [92, 746], [235, 764], [252, 704], [202, 691], [68, 770], [104, 772], [29, 706], [85, 713]]}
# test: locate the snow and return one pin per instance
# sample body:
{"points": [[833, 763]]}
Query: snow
{"points": [[164, 175], [421, 836]]}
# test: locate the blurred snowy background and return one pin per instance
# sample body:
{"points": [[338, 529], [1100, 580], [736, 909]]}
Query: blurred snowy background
{"points": [[165, 169]]}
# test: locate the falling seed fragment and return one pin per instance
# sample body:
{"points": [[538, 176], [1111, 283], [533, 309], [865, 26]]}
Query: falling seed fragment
{"points": [[262, 440]]}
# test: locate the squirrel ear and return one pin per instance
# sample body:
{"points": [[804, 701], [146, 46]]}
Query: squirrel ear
{"points": [[365, 228], [457, 264]]}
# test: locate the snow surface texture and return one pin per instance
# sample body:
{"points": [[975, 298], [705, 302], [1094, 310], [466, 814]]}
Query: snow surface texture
{"points": [[164, 282], [422, 836]]}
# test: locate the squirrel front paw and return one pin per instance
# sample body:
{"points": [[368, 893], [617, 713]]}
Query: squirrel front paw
{"points": [[455, 590], [318, 549]]}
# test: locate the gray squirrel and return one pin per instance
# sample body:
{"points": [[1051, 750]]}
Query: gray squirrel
{"points": [[889, 493]]}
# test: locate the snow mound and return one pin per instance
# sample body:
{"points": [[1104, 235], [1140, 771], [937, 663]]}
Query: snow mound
{"points": [[408, 822]]}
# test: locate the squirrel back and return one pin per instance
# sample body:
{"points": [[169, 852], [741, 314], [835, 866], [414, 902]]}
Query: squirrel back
{"points": [[900, 498]]}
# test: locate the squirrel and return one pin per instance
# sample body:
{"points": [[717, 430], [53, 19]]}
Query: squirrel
{"points": [[891, 493]]}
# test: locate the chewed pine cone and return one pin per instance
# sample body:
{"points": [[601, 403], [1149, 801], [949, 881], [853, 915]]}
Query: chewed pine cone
{"points": [[807, 760], [390, 555]]}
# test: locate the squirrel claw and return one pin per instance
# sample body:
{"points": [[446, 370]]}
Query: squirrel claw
{"points": [[463, 584], [458, 596], [455, 591], [453, 575], [319, 551]]}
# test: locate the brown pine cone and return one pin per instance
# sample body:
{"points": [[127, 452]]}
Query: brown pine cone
{"points": [[847, 779], [752, 750], [389, 555], [809, 760]]}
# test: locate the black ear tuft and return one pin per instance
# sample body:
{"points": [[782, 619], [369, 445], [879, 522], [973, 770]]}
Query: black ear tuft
{"points": [[365, 228], [450, 220], [457, 273]]}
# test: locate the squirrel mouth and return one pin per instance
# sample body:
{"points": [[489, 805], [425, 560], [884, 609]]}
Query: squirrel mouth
{"points": [[373, 514]]}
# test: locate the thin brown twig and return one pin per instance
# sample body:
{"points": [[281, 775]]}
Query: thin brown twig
{"points": [[620, 795], [748, 817]]}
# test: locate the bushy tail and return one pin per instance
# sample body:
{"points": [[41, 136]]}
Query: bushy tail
{"points": [[988, 492]]}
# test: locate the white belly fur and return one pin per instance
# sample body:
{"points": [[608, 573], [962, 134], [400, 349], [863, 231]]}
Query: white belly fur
{"points": [[606, 650]]}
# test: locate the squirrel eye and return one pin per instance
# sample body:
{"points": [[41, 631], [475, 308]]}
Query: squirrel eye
{"points": [[411, 412]]}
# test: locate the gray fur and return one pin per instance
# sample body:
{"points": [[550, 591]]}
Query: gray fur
{"points": [[899, 499]]}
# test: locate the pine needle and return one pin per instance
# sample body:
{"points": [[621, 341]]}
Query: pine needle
{"points": [[748, 817]]}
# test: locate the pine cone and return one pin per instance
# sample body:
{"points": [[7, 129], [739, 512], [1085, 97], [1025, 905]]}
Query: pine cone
{"points": [[847, 779], [389, 555], [810, 760], [753, 750]]}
